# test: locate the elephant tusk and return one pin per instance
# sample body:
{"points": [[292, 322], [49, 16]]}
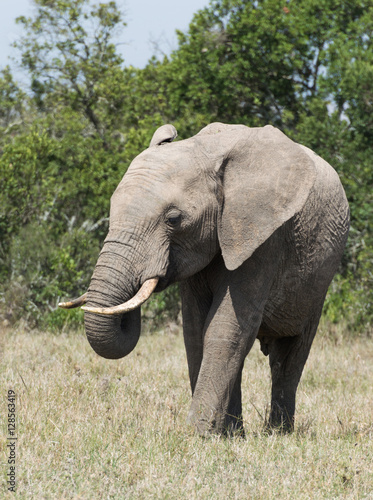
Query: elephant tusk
{"points": [[142, 295], [74, 303]]}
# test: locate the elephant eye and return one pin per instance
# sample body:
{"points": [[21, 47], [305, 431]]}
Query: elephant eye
{"points": [[173, 220]]}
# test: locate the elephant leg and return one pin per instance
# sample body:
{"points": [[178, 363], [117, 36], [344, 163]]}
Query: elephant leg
{"points": [[216, 405], [196, 302], [287, 357]]}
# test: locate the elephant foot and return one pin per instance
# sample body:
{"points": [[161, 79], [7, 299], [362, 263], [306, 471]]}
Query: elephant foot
{"points": [[234, 426], [203, 426], [280, 420], [231, 426]]}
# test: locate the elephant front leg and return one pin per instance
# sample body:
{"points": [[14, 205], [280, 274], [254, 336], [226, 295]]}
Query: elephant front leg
{"points": [[196, 302], [216, 406]]}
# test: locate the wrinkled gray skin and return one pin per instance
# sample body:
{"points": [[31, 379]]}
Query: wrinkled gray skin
{"points": [[253, 226]]}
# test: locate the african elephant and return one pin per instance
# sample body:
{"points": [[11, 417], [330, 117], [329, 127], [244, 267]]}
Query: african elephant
{"points": [[253, 226]]}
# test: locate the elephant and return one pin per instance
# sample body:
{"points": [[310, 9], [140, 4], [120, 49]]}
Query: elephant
{"points": [[253, 227]]}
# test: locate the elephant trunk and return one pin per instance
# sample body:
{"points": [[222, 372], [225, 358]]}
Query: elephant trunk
{"points": [[112, 336]]}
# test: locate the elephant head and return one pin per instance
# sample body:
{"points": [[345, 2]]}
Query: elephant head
{"points": [[226, 190]]}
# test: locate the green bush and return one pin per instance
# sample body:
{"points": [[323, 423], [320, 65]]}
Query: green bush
{"points": [[43, 269], [163, 307]]}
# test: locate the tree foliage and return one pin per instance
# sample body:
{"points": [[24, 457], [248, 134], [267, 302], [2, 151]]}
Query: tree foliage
{"points": [[305, 66], [12, 101], [69, 52]]}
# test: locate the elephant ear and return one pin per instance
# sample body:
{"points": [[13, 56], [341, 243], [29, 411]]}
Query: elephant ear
{"points": [[166, 133], [266, 180]]}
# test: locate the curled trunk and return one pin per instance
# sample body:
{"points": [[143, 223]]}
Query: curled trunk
{"points": [[115, 336]]}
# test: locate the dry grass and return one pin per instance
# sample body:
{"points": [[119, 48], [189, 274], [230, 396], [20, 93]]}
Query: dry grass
{"points": [[93, 428]]}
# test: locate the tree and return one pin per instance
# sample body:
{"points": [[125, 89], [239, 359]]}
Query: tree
{"points": [[56, 176], [257, 62], [69, 52], [12, 102]]}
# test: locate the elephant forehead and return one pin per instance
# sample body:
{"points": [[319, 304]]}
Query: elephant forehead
{"points": [[143, 196], [149, 183], [163, 171], [167, 159]]}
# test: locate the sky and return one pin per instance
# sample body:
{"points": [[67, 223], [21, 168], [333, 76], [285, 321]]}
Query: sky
{"points": [[148, 21]]}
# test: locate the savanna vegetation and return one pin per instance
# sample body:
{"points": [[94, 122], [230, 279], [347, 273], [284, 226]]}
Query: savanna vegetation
{"points": [[67, 138], [91, 428]]}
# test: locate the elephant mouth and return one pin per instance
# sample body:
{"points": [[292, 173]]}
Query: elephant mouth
{"points": [[163, 283], [169, 278]]}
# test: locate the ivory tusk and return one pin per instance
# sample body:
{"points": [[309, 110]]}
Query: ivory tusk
{"points": [[74, 303], [142, 295]]}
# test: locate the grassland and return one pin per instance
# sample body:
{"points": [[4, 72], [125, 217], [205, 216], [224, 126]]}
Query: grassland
{"points": [[92, 428]]}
